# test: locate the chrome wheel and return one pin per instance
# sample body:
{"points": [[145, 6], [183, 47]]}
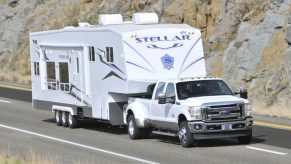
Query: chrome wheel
{"points": [[64, 121], [131, 127], [183, 135], [70, 119], [57, 116]]}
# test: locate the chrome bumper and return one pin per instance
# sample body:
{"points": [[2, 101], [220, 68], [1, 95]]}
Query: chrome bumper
{"points": [[208, 130]]}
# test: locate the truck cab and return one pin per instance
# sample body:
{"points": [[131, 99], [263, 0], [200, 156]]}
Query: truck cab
{"points": [[192, 109]]}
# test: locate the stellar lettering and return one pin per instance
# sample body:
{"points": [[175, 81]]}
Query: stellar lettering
{"points": [[161, 38]]}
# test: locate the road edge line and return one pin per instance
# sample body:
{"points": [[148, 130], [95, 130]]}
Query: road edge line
{"points": [[273, 125], [77, 144], [266, 150], [16, 88]]}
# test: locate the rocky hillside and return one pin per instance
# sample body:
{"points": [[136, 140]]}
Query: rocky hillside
{"points": [[247, 42]]}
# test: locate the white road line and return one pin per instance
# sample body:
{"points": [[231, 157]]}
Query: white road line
{"points": [[5, 101], [79, 145], [266, 150]]}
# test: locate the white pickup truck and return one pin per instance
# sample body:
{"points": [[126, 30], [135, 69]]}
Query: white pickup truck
{"points": [[192, 109]]}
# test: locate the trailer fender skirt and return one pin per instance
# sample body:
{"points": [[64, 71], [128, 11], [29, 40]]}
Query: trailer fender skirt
{"points": [[62, 108]]}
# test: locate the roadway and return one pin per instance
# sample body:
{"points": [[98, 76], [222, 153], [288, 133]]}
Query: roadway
{"points": [[24, 130]]}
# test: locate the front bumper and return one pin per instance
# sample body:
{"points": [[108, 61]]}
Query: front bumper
{"points": [[212, 130]]}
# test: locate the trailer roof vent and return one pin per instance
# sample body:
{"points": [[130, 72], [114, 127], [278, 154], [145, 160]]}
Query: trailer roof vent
{"points": [[69, 27], [84, 24], [107, 19], [145, 18]]}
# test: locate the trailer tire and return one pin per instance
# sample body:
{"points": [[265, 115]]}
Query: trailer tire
{"points": [[133, 131], [58, 117], [65, 119], [72, 121], [185, 135]]}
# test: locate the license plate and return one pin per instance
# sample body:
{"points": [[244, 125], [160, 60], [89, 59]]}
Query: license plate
{"points": [[226, 127]]}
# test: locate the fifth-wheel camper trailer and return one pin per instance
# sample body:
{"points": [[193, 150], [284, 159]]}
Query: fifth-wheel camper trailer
{"points": [[89, 71]]}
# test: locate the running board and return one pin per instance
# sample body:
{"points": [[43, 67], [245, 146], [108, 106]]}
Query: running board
{"points": [[165, 133]]}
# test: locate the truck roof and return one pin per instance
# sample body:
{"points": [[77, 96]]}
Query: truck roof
{"points": [[190, 79]]}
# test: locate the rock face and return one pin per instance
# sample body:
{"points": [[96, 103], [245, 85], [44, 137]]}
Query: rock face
{"points": [[246, 42]]}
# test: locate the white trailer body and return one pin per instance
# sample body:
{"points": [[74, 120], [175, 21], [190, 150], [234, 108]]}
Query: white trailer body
{"points": [[90, 71]]}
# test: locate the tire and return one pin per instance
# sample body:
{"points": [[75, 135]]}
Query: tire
{"points": [[133, 131], [185, 135], [245, 139], [72, 121], [65, 119], [146, 132], [58, 117]]}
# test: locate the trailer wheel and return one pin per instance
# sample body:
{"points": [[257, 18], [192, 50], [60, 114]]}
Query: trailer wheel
{"points": [[133, 131], [58, 117], [185, 135], [65, 119], [72, 121]]}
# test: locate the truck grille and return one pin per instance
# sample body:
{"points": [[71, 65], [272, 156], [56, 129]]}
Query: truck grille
{"points": [[223, 112]]}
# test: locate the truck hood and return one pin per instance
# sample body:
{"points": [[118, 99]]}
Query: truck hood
{"points": [[213, 100]]}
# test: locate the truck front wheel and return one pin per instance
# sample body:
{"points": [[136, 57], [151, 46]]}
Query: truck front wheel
{"points": [[185, 135], [133, 131]]}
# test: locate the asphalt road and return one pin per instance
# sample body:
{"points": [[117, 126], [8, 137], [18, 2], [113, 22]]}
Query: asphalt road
{"points": [[24, 130]]}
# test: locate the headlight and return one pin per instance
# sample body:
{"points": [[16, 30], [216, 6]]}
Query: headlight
{"points": [[195, 113], [248, 109]]}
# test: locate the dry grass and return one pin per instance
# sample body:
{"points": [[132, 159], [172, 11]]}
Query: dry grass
{"points": [[32, 159], [15, 77], [277, 111]]}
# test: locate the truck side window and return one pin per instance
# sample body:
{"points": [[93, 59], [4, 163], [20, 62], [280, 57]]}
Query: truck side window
{"points": [[159, 89], [170, 91]]}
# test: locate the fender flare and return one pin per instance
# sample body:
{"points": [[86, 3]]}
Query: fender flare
{"points": [[139, 111], [62, 108]]}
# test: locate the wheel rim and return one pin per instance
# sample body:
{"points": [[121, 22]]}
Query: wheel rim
{"points": [[57, 116], [183, 134], [70, 119], [130, 127], [64, 117]]}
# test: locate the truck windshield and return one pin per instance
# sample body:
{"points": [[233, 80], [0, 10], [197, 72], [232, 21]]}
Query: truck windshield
{"points": [[202, 88]]}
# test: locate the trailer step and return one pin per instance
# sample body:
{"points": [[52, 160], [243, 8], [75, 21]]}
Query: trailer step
{"points": [[165, 133]]}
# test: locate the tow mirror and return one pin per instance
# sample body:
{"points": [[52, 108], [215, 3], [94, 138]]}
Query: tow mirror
{"points": [[243, 93], [170, 100], [162, 98]]}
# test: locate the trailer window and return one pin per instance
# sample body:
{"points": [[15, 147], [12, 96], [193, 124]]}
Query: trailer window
{"points": [[36, 68], [109, 54], [64, 76], [78, 69], [51, 75], [91, 53]]}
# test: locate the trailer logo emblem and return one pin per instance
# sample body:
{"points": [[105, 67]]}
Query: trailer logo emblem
{"points": [[168, 61]]}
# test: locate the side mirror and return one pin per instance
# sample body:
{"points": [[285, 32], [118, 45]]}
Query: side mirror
{"points": [[170, 100], [243, 93], [162, 98]]}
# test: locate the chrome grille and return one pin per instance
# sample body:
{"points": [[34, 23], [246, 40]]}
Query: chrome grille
{"points": [[223, 112]]}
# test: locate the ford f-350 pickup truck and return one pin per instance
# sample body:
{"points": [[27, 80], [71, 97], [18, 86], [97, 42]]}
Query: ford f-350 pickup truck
{"points": [[192, 109]]}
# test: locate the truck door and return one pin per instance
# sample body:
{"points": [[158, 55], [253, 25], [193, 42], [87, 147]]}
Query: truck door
{"points": [[171, 108], [157, 113]]}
